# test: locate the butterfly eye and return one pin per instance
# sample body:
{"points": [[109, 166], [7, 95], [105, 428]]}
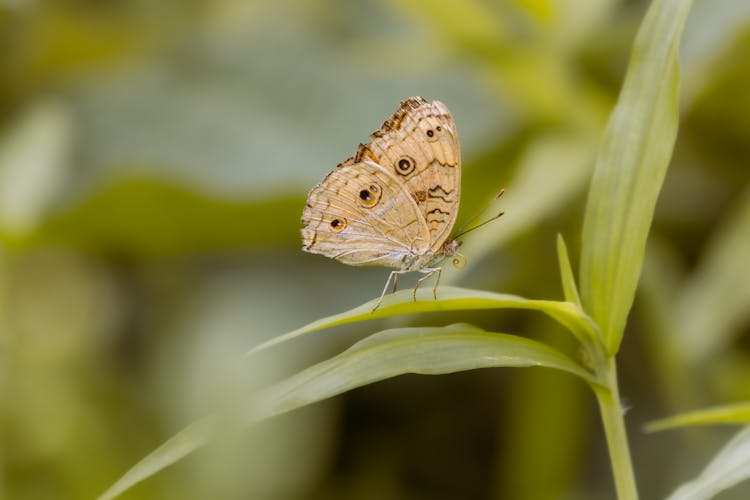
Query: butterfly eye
{"points": [[370, 196], [338, 224], [405, 165]]}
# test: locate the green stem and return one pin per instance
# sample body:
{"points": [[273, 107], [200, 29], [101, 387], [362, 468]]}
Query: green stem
{"points": [[614, 428]]}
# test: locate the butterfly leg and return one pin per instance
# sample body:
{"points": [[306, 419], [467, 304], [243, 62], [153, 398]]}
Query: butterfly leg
{"points": [[428, 271], [437, 282], [393, 276]]}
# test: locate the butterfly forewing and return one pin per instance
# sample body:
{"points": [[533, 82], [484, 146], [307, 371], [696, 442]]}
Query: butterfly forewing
{"points": [[419, 144]]}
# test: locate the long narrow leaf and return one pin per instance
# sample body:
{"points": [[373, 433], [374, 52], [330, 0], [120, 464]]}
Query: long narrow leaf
{"points": [[387, 354], [729, 414], [729, 467], [715, 302], [570, 290], [173, 450], [449, 299], [429, 350], [630, 168]]}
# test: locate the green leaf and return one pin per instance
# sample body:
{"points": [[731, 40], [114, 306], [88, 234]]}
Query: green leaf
{"points": [[34, 163], [177, 447], [566, 273], [715, 302], [449, 299], [630, 168], [169, 218], [530, 69], [729, 467], [729, 414], [429, 351], [426, 350]]}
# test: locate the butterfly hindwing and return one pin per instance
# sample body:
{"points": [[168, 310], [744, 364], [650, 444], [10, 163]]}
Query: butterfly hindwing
{"points": [[361, 214], [419, 144]]}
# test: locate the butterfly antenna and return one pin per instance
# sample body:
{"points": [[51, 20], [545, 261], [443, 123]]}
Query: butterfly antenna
{"points": [[474, 217], [480, 225]]}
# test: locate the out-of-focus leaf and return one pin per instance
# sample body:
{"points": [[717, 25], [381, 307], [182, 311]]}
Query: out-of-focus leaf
{"points": [[43, 42], [530, 197], [577, 21], [529, 68], [715, 301], [729, 467], [712, 27], [545, 461], [466, 22], [719, 114], [151, 218], [217, 117], [630, 168], [429, 351], [449, 299], [33, 166], [658, 288], [730, 414]]}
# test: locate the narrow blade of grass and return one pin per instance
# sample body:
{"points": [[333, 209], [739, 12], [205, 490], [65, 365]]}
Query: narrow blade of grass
{"points": [[174, 449], [570, 290], [630, 168], [728, 468], [449, 299], [728, 414]]}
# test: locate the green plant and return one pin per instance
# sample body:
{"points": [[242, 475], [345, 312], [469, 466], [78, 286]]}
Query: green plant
{"points": [[634, 155]]}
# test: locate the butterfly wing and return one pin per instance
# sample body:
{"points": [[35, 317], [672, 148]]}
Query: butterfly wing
{"points": [[419, 145], [361, 214]]}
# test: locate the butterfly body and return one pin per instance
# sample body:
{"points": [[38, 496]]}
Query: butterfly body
{"points": [[429, 259], [395, 202]]}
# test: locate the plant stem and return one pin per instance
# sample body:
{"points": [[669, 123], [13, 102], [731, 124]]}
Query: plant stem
{"points": [[614, 428]]}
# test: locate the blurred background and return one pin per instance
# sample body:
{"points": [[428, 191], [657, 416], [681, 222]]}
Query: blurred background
{"points": [[154, 161]]}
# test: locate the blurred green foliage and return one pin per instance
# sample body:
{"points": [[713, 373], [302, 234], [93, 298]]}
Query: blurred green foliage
{"points": [[154, 160]]}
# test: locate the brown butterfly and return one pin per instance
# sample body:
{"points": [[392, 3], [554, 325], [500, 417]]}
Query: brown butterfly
{"points": [[395, 202]]}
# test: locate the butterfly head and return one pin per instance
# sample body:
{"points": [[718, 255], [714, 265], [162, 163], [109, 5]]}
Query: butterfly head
{"points": [[450, 249]]}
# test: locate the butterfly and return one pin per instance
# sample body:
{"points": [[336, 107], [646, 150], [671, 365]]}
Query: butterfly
{"points": [[394, 203]]}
